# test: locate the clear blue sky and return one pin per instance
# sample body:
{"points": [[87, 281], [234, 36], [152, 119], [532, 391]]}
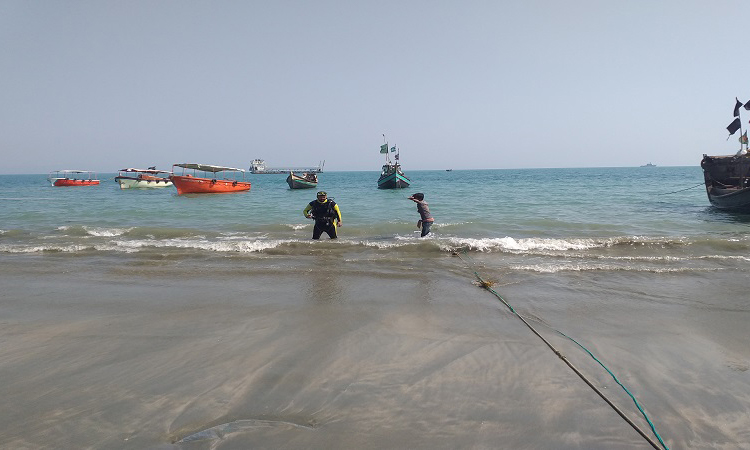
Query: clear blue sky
{"points": [[102, 85]]}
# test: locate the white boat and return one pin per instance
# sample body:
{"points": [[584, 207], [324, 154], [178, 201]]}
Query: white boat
{"points": [[143, 178]]}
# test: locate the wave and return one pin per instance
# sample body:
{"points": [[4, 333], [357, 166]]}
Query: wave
{"points": [[106, 232], [225, 246], [555, 268], [526, 245], [596, 252], [71, 248]]}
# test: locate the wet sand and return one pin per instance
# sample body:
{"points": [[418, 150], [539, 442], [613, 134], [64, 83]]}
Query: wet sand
{"points": [[356, 355]]}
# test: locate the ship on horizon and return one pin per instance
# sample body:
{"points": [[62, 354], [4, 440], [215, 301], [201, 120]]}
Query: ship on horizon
{"points": [[258, 166]]}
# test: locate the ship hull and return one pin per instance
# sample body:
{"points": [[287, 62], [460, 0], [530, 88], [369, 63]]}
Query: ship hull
{"points": [[67, 182], [133, 183], [393, 181]]}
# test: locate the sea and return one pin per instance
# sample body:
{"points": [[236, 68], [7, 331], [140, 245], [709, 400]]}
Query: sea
{"points": [[146, 319]]}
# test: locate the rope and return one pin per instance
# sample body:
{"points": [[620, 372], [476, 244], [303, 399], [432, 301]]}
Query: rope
{"points": [[487, 286], [686, 189]]}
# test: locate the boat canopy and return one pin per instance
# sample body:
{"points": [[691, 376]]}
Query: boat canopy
{"points": [[72, 171], [207, 167], [144, 170]]}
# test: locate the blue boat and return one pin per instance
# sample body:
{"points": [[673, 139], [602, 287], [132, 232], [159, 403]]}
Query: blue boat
{"points": [[391, 176]]}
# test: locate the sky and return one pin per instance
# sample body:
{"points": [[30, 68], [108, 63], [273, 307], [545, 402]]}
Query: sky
{"points": [[466, 84]]}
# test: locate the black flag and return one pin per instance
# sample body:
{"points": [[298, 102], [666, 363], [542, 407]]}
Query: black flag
{"points": [[734, 126], [737, 108], [747, 106]]}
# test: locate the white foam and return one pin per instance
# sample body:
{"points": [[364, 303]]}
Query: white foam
{"points": [[43, 248], [106, 232], [297, 226], [528, 244], [242, 246], [563, 267]]}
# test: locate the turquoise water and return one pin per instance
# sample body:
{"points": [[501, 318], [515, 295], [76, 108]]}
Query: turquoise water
{"points": [[507, 211]]}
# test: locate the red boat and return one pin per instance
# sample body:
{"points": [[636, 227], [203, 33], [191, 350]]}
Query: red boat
{"points": [[72, 178], [208, 179]]}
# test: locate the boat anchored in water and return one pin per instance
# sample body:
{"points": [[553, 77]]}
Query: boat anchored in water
{"points": [[208, 179], [143, 178], [307, 180], [391, 176], [726, 177], [72, 178]]}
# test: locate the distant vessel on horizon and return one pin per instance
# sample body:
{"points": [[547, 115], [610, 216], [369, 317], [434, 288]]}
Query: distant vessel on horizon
{"points": [[258, 166], [649, 165]]}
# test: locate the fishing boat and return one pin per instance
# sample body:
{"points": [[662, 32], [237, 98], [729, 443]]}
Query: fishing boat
{"points": [[72, 178], [307, 180], [727, 181], [391, 176], [143, 178], [726, 177], [208, 179]]}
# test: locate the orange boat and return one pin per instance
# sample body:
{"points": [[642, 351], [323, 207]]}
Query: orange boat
{"points": [[72, 178], [220, 180]]}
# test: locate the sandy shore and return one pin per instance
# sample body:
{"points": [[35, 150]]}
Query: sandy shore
{"points": [[331, 357]]}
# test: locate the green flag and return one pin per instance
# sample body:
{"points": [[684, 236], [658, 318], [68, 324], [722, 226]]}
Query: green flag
{"points": [[384, 148]]}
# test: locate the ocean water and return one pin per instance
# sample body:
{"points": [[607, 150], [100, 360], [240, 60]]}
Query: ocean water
{"points": [[607, 213], [144, 319]]}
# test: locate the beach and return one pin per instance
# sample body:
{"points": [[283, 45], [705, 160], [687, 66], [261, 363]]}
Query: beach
{"points": [[173, 356], [203, 329]]}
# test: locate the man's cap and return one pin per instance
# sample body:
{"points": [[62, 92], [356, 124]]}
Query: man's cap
{"points": [[322, 193]]}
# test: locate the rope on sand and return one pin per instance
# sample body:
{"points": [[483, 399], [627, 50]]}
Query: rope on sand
{"points": [[488, 286]]}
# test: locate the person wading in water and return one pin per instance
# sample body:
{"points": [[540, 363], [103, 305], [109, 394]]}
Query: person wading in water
{"points": [[324, 211], [426, 219]]}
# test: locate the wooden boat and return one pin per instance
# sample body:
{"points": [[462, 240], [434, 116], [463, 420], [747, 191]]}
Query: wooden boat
{"points": [[72, 178], [727, 181], [208, 179], [142, 178], [391, 175], [726, 177], [305, 181]]}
